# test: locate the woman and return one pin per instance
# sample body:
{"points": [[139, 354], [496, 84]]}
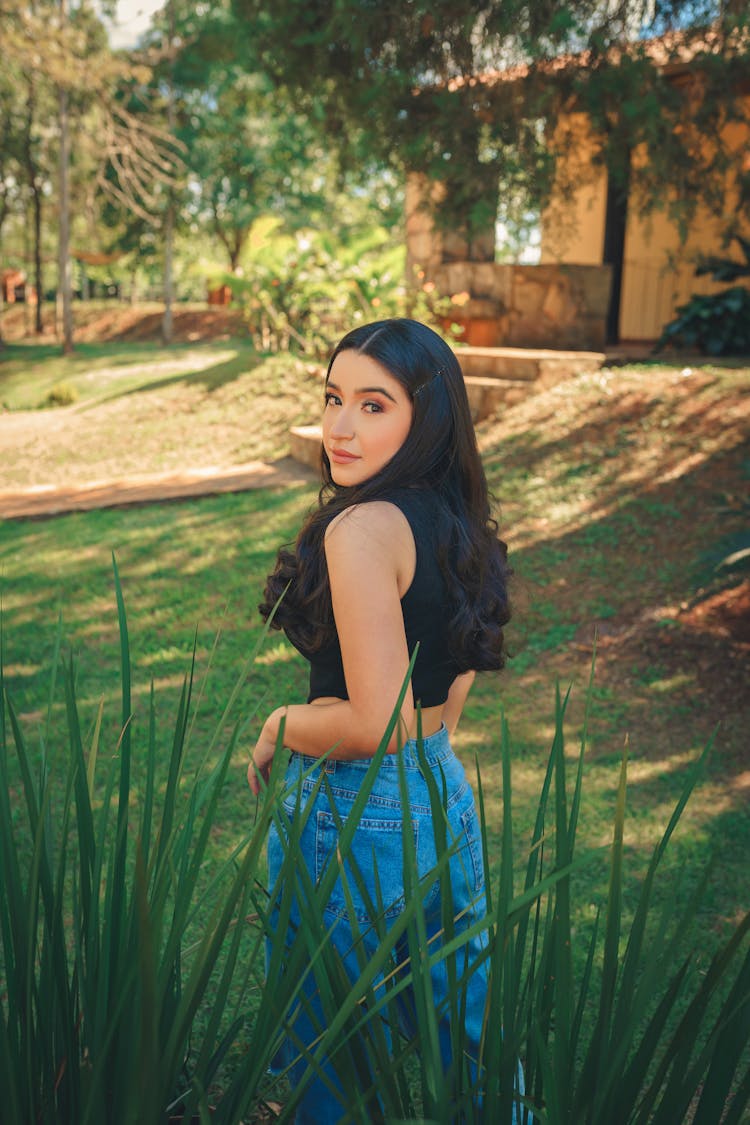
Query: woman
{"points": [[401, 549]]}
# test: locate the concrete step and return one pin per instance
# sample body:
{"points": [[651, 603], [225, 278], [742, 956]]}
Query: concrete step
{"points": [[494, 377], [543, 367], [304, 445], [486, 396]]}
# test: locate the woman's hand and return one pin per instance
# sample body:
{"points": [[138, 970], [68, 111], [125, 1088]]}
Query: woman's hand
{"points": [[264, 751]]}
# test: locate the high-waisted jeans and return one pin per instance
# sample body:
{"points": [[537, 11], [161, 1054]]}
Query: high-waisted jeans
{"points": [[378, 854]]}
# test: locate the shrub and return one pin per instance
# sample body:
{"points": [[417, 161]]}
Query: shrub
{"points": [[62, 394], [718, 324], [305, 291], [130, 955], [642, 1044], [126, 966]]}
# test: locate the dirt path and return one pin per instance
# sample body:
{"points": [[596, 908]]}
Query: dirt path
{"points": [[50, 500]]}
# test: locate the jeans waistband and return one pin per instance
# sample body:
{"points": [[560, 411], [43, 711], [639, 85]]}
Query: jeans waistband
{"points": [[435, 748]]}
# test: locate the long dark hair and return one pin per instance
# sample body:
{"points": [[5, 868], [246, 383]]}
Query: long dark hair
{"points": [[440, 454]]}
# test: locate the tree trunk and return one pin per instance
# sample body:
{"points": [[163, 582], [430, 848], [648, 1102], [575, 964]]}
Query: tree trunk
{"points": [[33, 178], [167, 323], [64, 273], [36, 196], [3, 213]]}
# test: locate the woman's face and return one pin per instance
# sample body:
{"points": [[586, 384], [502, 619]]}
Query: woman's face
{"points": [[366, 419]]}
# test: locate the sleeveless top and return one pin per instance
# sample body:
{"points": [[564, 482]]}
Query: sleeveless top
{"points": [[426, 608]]}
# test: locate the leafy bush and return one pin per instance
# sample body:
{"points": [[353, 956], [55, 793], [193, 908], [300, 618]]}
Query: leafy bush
{"points": [[125, 967], [130, 957], [305, 291], [718, 324], [62, 394], [639, 1036]]}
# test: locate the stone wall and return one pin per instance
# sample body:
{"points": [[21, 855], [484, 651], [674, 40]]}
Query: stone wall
{"points": [[553, 305], [526, 306]]}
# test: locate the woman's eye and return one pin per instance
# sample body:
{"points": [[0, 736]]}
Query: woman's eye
{"points": [[372, 408], [331, 399]]}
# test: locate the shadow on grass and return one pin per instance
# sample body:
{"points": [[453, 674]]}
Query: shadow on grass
{"points": [[29, 371], [211, 377]]}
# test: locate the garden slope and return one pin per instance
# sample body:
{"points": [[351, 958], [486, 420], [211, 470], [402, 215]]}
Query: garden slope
{"points": [[625, 507], [622, 496]]}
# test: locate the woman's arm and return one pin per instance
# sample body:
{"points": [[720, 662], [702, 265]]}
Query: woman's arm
{"points": [[370, 555], [457, 694]]}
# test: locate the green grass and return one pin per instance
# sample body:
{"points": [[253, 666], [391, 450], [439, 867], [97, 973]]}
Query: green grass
{"points": [[143, 409], [194, 571], [102, 372], [190, 572], [29, 371], [596, 540]]}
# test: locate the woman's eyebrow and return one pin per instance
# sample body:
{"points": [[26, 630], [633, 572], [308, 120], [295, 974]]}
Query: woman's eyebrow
{"points": [[364, 390]]}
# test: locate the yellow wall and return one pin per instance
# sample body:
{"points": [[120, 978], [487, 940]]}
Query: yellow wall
{"points": [[573, 224], [658, 273]]}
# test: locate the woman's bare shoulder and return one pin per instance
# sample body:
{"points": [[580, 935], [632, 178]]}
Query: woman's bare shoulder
{"points": [[368, 520], [370, 540]]}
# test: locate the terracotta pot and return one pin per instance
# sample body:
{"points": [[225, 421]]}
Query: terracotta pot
{"points": [[479, 332], [222, 295]]}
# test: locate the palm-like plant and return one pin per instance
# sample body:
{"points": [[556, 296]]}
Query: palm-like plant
{"points": [[130, 959]]}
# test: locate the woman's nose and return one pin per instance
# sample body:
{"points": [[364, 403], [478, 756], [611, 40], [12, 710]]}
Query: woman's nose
{"points": [[343, 423]]}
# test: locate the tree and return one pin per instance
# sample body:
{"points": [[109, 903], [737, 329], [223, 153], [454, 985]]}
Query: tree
{"points": [[63, 54], [410, 83], [35, 156], [11, 112], [250, 153], [64, 273], [250, 150]]}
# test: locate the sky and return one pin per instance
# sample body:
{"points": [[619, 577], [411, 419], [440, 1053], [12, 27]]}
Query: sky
{"points": [[133, 17]]}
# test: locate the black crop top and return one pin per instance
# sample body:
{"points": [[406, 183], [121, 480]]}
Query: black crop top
{"points": [[426, 610]]}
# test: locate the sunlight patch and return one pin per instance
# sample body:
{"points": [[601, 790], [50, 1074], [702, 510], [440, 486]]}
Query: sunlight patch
{"points": [[187, 362], [20, 670], [671, 683], [644, 770], [282, 651]]}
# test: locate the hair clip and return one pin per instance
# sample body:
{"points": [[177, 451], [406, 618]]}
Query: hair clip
{"points": [[430, 381]]}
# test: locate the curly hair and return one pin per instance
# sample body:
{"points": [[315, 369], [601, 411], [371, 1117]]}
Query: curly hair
{"points": [[440, 454]]}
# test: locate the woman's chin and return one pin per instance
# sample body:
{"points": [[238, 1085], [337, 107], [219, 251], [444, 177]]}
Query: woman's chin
{"points": [[346, 474]]}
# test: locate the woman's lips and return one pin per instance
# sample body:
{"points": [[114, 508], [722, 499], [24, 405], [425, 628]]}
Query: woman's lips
{"points": [[342, 456]]}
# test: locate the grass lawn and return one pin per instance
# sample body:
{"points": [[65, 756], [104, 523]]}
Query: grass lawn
{"points": [[620, 495], [139, 408]]}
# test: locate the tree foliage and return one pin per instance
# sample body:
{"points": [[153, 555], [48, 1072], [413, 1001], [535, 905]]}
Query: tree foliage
{"points": [[249, 149], [716, 323], [62, 77], [470, 92]]}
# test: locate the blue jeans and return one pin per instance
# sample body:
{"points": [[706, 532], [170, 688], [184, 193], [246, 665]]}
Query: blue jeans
{"points": [[378, 856]]}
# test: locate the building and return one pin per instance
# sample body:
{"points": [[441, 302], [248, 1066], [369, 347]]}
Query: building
{"points": [[607, 272]]}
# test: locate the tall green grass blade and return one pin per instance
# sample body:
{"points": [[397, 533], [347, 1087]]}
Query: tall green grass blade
{"points": [[148, 797], [115, 942], [94, 748], [84, 815], [736, 1110], [421, 979], [116, 913], [733, 1025], [601, 1037], [561, 932], [676, 1079]]}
